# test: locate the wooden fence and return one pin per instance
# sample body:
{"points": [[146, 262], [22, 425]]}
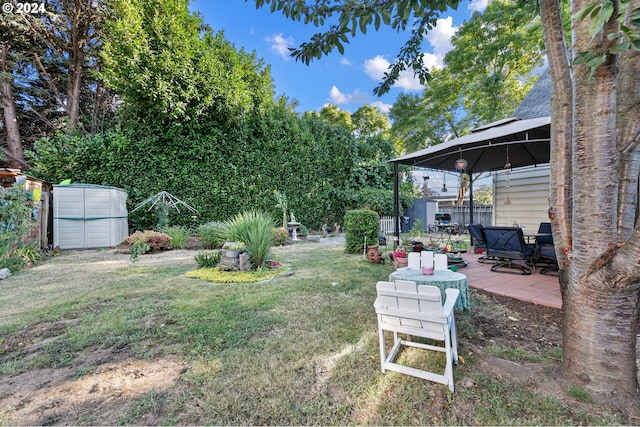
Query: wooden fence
{"points": [[459, 214], [482, 214], [386, 224]]}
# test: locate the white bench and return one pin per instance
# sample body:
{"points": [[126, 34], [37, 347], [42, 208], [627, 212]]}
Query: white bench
{"points": [[403, 307]]}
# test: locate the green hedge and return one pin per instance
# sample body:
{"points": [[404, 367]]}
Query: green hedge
{"points": [[222, 171], [357, 223]]}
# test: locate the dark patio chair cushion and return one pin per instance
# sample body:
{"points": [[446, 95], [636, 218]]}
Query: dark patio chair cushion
{"points": [[507, 245], [546, 251], [475, 231], [544, 227]]}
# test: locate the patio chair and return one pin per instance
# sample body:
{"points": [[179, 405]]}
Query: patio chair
{"points": [[475, 231], [507, 245], [545, 251], [403, 307]]}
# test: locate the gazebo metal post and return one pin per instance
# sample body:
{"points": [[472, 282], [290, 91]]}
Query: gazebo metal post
{"points": [[396, 207], [470, 198]]}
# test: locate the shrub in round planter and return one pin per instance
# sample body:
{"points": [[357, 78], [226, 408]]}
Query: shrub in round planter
{"points": [[255, 230], [357, 224], [208, 259]]}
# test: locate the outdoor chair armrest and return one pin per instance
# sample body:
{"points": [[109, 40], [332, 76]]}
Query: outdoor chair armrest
{"points": [[451, 298]]}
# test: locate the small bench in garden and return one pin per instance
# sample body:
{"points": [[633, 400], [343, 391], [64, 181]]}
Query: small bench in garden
{"points": [[403, 307]]}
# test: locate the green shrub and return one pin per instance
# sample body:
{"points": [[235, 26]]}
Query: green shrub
{"points": [[253, 228], [417, 229], [138, 248], [357, 223], [303, 230], [13, 263], [30, 252], [208, 259], [280, 236], [155, 241], [15, 217], [179, 236], [210, 235]]}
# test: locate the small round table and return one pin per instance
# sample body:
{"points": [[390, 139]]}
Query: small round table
{"points": [[443, 279]]}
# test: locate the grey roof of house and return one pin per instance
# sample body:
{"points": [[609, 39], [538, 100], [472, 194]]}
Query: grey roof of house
{"points": [[537, 103]]}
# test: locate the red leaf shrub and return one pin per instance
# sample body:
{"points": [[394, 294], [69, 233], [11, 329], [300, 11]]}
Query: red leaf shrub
{"points": [[157, 241]]}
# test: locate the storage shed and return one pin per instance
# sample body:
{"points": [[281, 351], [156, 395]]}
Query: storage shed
{"points": [[89, 216]]}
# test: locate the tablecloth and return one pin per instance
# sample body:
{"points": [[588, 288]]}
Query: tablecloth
{"points": [[443, 279]]}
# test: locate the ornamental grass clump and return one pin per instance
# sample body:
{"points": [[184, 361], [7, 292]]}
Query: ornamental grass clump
{"points": [[253, 228]]}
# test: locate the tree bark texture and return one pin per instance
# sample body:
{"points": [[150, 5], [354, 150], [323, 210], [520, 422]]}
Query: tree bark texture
{"points": [[594, 194], [14, 143], [78, 33], [560, 195]]}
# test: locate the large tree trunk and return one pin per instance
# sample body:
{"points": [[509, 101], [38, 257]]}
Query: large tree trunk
{"points": [[599, 247], [14, 143], [78, 31]]}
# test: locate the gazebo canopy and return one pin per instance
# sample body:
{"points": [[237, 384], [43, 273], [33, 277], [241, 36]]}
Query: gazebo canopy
{"points": [[505, 144], [489, 148]]}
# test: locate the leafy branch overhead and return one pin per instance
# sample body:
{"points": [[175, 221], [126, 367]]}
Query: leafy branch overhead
{"points": [[345, 19]]}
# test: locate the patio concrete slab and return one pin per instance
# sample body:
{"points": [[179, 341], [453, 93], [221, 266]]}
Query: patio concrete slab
{"points": [[535, 288]]}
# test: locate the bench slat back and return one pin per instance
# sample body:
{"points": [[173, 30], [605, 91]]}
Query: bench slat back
{"points": [[407, 304]]}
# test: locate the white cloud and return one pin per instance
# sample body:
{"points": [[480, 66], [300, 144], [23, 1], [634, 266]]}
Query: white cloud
{"points": [[345, 61], [440, 40], [478, 5], [338, 98], [407, 81], [430, 60], [280, 45], [376, 67], [384, 108]]}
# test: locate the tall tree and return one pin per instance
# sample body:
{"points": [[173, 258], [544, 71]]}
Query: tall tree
{"points": [[167, 66], [71, 31], [334, 115], [14, 149], [595, 169], [485, 76], [47, 59], [14, 43], [369, 121], [438, 114], [595, 166], [494, 57]]}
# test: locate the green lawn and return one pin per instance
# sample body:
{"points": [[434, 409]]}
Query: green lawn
{"points": [[297, 350]]}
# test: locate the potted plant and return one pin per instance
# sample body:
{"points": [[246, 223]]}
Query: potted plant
{"points": [[400, 256], [373, 254], [418, 246], [233, 249]]}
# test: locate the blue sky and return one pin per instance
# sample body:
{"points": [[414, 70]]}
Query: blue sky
{"points": [[345, 80]]}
